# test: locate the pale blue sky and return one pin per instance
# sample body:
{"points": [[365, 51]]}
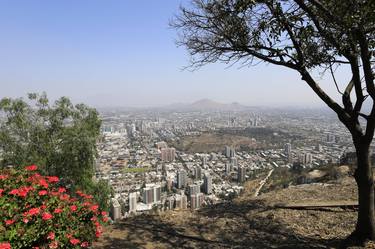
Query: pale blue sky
{"points": [[123, 53]]}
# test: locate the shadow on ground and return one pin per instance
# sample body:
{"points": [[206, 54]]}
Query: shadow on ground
{"points": [[227, 225]]}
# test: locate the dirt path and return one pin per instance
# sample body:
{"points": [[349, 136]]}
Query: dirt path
{"points": [[262, 183]]}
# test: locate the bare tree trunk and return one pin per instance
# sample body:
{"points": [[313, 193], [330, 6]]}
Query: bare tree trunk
{"points": [[365, 228]]}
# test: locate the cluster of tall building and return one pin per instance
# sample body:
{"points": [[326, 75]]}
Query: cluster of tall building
{"points": [[168, 154], [196, 200], [305, 158], [151, 193], [229, 152]]}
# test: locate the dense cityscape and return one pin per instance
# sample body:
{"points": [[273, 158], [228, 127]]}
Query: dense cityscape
{"points": [[143, 157]]}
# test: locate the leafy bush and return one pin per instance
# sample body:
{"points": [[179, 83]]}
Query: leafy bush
{"points": [[35, 212]]}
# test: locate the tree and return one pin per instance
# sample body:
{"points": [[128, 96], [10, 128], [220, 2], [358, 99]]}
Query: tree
{"points": [[306, 36], [59, 138]]}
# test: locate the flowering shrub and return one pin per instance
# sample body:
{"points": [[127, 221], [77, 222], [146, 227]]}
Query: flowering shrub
{"points": [[36, 213]]}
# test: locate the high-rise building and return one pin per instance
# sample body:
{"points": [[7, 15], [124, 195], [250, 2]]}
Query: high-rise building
{"points": [[168, 154], [232, 153], [233, 161], [227, 151], [288, 151], [198, 172], [170, 203], [241, 174], [169, 184], [204, 160], [330, 138], [255, 122], [207, 184], [196, 200], [228, 168], [194, 189], [181, 201], [305, 158], [132, 202], [181, 179], [151, 193], [148, 195], [115, 209], [157, 193]]}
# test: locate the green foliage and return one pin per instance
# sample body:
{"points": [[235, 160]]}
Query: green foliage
{"points": [[60, 137], [35, 211]]}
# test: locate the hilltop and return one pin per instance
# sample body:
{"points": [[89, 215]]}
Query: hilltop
{"points": [[247, 222], [207, 105]]}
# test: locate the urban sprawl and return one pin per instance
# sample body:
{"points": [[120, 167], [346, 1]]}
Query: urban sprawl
{"points": [[142, 153]]}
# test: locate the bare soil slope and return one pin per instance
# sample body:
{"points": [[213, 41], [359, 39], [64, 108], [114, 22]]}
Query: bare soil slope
{"points": [[247, 222]]}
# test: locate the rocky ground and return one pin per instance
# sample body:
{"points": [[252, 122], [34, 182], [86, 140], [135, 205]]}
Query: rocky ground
{"points": [[247, 222]]}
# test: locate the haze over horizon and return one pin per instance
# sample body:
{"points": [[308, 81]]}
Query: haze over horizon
{"points": [[118, 53]]}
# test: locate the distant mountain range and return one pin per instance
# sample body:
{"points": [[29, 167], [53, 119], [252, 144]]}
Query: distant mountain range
{"points": [[206, 104]]}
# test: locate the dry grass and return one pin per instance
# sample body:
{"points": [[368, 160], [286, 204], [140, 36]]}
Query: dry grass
{"points": [[246, 222]]}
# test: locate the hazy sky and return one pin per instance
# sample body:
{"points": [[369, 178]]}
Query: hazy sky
{"points": [[123, 53]]}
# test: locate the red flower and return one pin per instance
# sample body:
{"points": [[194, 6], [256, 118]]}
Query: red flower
{"points": [[74, 241], [22, 192], [62, 190], [51, 236], [85, 244], [94, 208], [5, 245], [31, 168], [98, 233], [57, 210], [42, 182], [3, 177], [25, 220], [9, 222], [86, 204], [52, 179], [33, 211], [73, 208], [1, 192], [104, 213], [42, 192], [47, 216], [14, 192], [64, 197], [54, 245], [105, 219]]}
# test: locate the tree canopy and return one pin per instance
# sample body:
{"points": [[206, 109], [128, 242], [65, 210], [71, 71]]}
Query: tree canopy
{"points": [[59, 137]]}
